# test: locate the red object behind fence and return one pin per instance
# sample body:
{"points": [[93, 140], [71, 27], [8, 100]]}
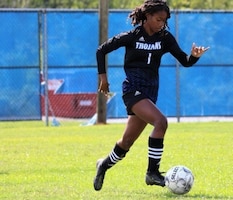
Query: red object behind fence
{"points": [[68, 105], [81, 105]]}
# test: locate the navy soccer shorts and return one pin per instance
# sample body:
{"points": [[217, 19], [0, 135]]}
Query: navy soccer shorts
{"points": [[131, 98]]}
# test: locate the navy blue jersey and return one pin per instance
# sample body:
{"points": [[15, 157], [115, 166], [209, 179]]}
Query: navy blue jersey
{"points": [[143, 55]]}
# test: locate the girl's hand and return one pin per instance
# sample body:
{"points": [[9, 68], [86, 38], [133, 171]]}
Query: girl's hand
{"points": [[104, 85], [198, 51]]}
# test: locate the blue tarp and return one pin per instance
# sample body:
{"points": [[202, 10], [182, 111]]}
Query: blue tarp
{"points": [[19, 66], [72, 39]]}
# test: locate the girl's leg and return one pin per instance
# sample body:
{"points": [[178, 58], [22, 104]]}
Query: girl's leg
{"points": [[132, 131], [146, 110]]}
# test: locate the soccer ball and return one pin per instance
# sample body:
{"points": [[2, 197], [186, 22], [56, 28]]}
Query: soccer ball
{"points": [[179, 179]]}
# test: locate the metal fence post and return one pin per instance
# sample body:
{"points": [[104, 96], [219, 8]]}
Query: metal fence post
{"points": [[45, 67], [177, 72]]}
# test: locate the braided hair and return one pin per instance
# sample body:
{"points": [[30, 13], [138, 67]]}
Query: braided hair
{"points": [[138, 15]]}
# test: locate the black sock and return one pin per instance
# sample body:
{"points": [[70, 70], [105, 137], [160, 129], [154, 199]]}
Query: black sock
{"points": [[155, 151], [115, 155]]}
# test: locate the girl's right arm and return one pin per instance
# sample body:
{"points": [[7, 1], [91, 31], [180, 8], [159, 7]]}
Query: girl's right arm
{"points": [[107, 47]]}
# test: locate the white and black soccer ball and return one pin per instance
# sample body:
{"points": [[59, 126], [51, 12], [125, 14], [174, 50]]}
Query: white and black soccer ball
{"points": [[179, 179]]}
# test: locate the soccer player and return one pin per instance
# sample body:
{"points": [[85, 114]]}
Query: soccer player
{"points": [[144, 47]]}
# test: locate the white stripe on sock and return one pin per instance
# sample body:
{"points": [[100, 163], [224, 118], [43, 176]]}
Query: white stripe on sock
{"points": [[114, 158]]}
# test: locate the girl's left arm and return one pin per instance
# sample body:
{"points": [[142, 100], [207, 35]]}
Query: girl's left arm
{"points": [[180, 55]]}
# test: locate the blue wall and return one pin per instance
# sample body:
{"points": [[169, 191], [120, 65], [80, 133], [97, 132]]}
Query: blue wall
{"points": [[19, 66], [72, 39], [205, 89]]}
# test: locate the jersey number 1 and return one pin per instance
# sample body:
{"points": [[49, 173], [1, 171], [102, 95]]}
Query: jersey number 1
{"points": [[149, 58]]}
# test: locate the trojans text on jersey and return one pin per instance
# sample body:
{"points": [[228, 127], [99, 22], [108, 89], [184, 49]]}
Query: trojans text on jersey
{"points": [[146, 46]]}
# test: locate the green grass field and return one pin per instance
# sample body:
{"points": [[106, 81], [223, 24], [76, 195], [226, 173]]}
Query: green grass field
{"points": [[38, 162]]}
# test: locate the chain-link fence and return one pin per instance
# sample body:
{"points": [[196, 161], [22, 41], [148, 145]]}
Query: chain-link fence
{"points": [[19, 66], [48, 65]]}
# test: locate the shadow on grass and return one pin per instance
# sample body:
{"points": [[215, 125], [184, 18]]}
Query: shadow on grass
{"points": [[4, 173], [139, 194], [169, 195], [196, 196]]}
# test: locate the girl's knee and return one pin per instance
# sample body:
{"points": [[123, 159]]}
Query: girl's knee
{"points": [[161, 123], [165, 123]]}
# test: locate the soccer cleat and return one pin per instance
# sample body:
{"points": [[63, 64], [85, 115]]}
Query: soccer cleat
{"points": [[99, 178], [155, 178]]}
